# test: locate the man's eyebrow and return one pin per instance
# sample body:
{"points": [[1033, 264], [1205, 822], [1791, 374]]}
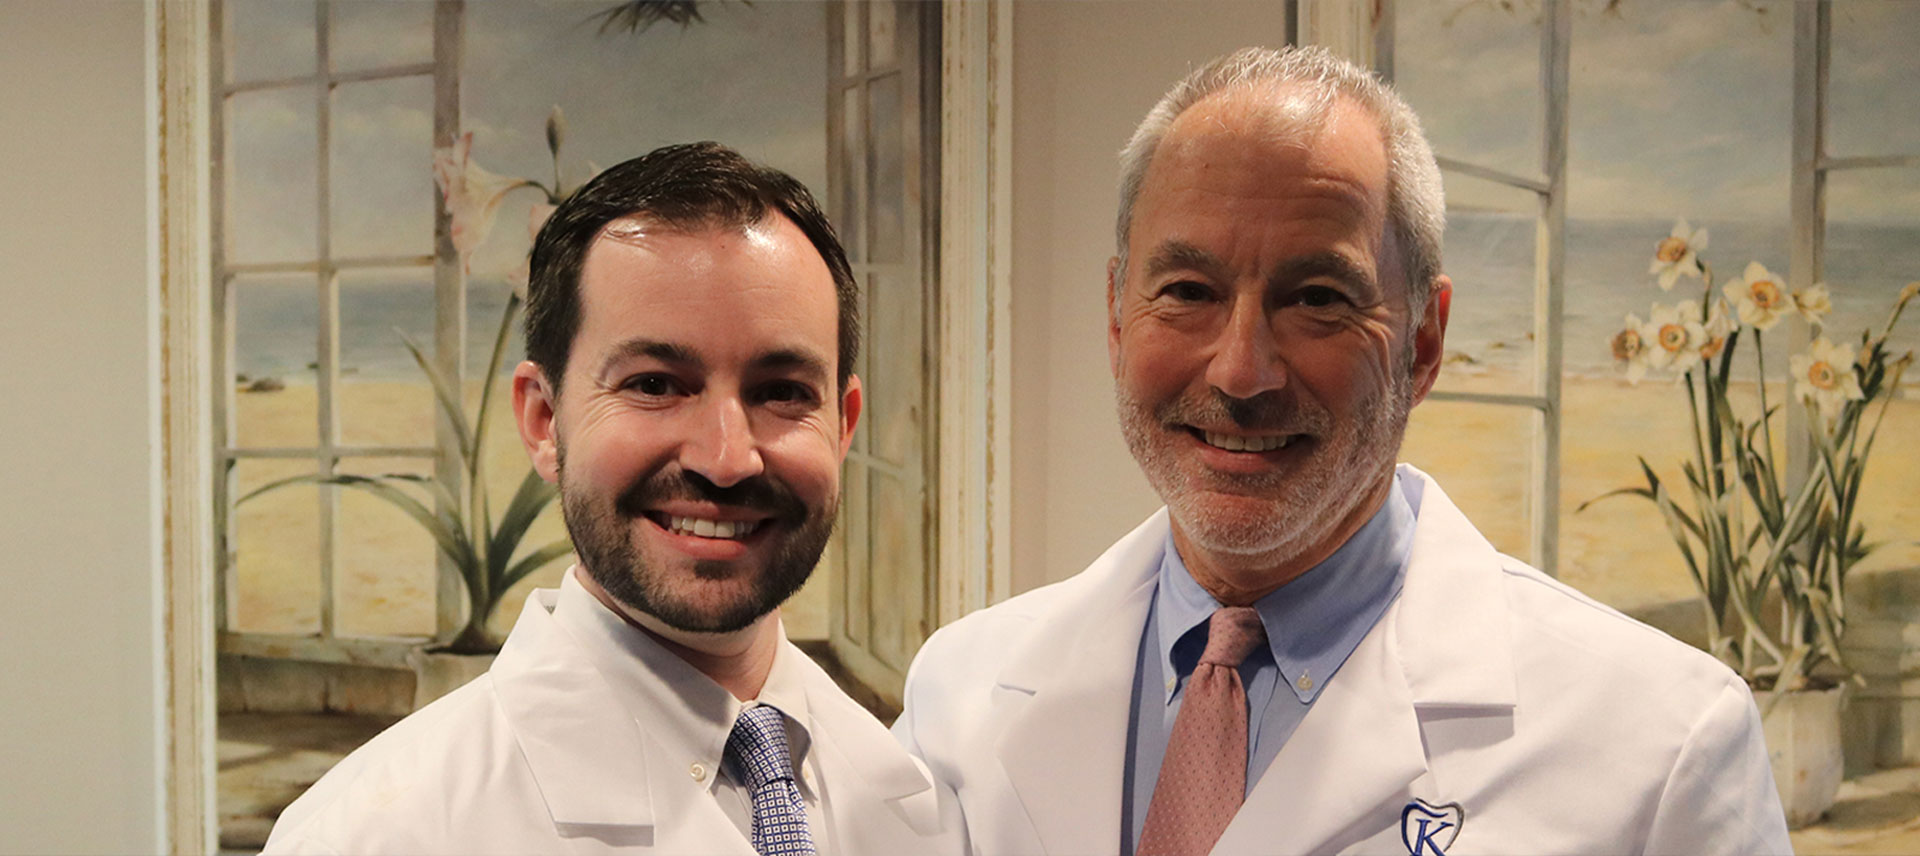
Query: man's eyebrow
{"points": [[1180, 255], [1329, 265], [666, 352], [782, 359]]}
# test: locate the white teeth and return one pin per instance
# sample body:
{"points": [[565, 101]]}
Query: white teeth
{"points": [[712, 528], [1236, 443]]}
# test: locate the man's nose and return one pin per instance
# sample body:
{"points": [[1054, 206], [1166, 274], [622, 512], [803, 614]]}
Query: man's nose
{"points": [[722, 449], [1246, 357]]}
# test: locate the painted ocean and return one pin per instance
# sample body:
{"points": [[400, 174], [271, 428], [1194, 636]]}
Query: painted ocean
{"points": [[1489, 256]]}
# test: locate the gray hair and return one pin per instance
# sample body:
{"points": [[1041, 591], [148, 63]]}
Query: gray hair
{"points": [[1416, 207]]}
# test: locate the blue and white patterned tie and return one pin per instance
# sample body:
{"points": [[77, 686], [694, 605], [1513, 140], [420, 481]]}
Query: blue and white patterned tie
{"points": [[758, 749]]}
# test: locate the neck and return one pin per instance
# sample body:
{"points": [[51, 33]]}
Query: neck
{"points": [[1240, 579], [738, 661]]}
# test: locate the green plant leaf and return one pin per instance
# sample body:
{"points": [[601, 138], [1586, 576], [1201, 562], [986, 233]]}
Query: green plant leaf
{"points": [[529, 499], [444, 394], [451, 540], [1641, 492], [534, 561]]}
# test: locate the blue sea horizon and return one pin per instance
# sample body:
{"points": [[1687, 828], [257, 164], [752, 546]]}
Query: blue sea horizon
{"points": [[1489, 256]]}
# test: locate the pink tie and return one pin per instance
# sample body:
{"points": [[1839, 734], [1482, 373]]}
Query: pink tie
{"points": [[1204, 776]]}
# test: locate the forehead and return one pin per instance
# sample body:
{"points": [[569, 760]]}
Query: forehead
{"points": [[1268, 147], [709, 287]]}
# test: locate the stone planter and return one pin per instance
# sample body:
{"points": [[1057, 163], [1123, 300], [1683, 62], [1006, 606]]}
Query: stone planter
{"points": [[437, 673], [1803, 744]]}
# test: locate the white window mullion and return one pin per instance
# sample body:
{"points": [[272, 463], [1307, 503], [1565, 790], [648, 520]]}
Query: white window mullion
{"points": [[450, 299], [1556, 38], [327, 368], [1812, 45]]}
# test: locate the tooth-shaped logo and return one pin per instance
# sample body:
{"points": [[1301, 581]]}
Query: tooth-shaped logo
{"points": [[1428, 830]]}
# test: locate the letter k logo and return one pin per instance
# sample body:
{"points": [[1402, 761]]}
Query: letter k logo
{"points": [[1427, 829]]}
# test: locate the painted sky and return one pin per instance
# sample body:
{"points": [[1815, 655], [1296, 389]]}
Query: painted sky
{"points": [[752, 76], [1678, 107]]}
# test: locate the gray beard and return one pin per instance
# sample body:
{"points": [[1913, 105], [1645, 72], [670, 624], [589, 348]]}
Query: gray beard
{"points": [[1302, 505]]}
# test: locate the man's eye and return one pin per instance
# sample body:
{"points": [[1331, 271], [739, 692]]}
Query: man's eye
{"points": [[652, 385], [786, 392], [1320, 297], [1187, 291]]}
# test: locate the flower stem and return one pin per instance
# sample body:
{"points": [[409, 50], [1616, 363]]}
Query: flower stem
{"points": [[1766, 416]]}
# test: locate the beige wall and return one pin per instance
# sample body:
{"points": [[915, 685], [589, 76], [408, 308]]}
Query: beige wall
{"points": [[78, 725], [1084, 73]]}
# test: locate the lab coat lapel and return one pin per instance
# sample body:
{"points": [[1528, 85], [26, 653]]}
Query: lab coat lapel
{"points": [[861, 764], [1346, 771], [1065, 747], [1358, 748], [610, 788]]}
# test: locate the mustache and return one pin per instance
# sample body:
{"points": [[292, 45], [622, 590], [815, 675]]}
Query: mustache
{"points": [[1269, 412], [760, 493]]}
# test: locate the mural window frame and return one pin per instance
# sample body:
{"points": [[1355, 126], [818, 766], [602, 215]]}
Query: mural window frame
{"points": [[322, 83]]}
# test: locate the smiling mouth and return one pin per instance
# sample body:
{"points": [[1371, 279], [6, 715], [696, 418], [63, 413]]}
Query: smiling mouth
{"points": [[700, 527], [1243, 443]]}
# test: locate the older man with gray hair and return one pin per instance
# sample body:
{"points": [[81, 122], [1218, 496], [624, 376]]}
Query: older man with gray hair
{"points": [[1311, 650]]}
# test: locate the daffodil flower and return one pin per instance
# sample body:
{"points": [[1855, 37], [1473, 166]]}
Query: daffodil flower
{"points": [[1678, 254], [1674, 335], [1813, 304], [472, 194], [1719, 326], [1824, 377], [1629, 348], [1758, 296]]}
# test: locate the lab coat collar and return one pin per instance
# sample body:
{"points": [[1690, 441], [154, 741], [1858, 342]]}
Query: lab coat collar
{"points": [[1443, 646], [549, 702], [1079, 676], [1453, 614], [859, 754]]}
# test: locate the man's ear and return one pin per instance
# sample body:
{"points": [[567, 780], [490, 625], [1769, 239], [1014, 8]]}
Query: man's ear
{"points": [[1113, 315], [1430, 338], [849, 413], [533, 408]]}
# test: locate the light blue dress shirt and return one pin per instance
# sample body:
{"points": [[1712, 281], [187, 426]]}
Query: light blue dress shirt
{"points": [[1313, 623]]}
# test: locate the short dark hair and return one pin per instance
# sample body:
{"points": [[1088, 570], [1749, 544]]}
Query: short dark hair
{"points": [[687, 186]]}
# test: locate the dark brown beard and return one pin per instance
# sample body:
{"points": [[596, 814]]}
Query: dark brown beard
{"points": [[602, 538]]}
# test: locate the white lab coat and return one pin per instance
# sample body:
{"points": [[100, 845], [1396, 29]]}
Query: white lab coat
{"points": [[1553, 723], [539, 757]]}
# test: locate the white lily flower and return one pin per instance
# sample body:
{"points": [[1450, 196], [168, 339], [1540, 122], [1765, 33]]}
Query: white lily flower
{"points": [[1824, 376], [1674, 335], [1813, 304], [472, 194], [537, 217], [1629, 348], [1678, 254], [1758, 296]]}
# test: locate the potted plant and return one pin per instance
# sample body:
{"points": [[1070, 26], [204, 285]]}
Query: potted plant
{"points": [[482, 549], [1769, 554]]}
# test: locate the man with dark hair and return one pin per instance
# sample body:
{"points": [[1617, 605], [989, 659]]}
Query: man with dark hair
{"points": [[691, 330]]}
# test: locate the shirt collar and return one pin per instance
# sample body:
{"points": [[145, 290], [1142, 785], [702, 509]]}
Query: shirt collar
{"points": [[676, 703], [1313, 622]]}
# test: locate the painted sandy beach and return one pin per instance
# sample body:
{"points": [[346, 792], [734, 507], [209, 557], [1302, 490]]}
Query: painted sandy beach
{"points": [[1617, 551]]}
